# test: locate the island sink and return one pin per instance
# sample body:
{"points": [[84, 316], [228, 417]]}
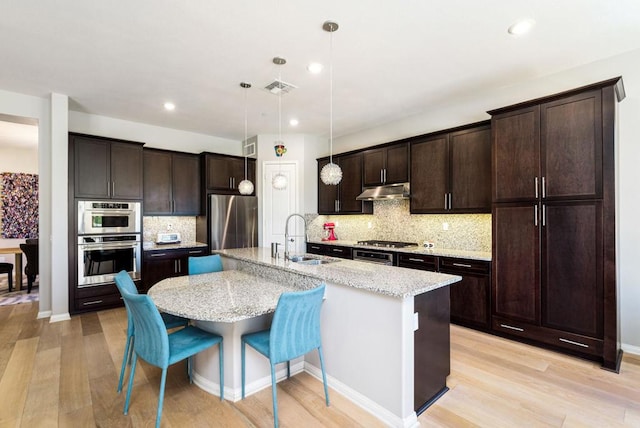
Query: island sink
{"points": [[307, 260]]}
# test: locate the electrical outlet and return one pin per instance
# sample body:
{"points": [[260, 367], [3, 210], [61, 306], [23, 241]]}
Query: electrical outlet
{"points": [[169, 226], [445, 226], [369, 225]]}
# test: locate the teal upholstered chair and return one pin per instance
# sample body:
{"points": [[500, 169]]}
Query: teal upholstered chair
{"points": [[157, 347], [124, 282], [295, 331], [205, 264]]}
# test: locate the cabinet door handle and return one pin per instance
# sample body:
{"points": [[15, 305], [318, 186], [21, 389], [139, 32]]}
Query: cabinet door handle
{"points": [[510, 327], [445, 201], [535, 215], [381, 177], [338, 202], [411, 259], [158, 255], [535, 181], [544, 215], [450, 200], [571, 342], [544, 188], [93, 302], [462, 265], [384, 175]]}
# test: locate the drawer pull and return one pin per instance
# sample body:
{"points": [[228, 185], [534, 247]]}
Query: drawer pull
{"points": [[195, 252], [411, 259], [337, 250], [462, 265], [571, 342], [510, 327], [94, 302], [158, 255], [313, 247]]}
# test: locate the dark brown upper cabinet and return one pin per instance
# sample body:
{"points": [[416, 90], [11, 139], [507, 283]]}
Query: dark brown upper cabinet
{"points": [[106, 168], [451, 171], [386, 165], [341, 199], [171, 183], [223, 173]]}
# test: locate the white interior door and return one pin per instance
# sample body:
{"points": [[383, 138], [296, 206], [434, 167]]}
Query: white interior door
{"points": [[278, 204]]}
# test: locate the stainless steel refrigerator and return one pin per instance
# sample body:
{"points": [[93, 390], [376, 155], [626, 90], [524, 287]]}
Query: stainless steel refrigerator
{"points": [[231, 222]]}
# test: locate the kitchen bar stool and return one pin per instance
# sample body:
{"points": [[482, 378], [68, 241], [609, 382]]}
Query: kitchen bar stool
{"points": [[8, 269]]}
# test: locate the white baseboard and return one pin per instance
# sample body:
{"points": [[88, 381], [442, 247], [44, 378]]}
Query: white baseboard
{"points": [[59, 317], [631, 349], [365, 403], [43, 314]]}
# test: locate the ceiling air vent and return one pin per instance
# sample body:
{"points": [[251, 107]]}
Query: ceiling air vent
{"points": [[278, 86]]}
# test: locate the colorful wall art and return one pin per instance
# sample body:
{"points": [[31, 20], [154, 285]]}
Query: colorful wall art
{"points": [[19, 205]]}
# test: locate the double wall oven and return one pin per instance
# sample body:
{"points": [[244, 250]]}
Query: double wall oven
{"points": [[109, 241]]}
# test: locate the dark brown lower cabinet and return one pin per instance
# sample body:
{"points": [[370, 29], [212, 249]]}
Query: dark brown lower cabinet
{"points": [[99, 297], [160, 264], [330, 250]]}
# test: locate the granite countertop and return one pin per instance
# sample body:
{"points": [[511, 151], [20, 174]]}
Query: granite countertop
{"points": [[389, 280], [226, 296], [152, 246], [443, 252]]}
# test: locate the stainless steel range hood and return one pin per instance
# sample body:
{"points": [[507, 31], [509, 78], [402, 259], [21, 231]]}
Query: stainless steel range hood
{"points": [[383, 193]]}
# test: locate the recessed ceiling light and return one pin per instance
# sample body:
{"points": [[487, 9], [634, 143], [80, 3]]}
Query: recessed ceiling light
{"points": [[314, 67], [169, 106], [293, 122], [521, 27]]}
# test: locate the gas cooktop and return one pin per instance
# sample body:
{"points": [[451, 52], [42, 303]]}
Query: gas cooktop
{"points": [[387, 244]]}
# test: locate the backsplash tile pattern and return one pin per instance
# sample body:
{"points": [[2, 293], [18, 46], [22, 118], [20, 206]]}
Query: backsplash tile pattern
{"points": [[186, 226], [392, 221]]}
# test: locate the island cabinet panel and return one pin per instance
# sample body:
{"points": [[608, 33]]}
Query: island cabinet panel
{"points": [[341, 199], [471, 297], [554, 272], [171, 183], [386, 165], [161, 264], [106, 168], [223, 173], [451, 171]]}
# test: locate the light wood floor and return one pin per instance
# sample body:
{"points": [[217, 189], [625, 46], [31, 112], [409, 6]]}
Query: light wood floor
{"points": [[64, 374]]}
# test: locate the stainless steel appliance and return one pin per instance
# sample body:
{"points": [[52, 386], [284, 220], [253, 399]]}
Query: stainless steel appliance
{"points": [[231, 222], [101, 257], [105, 217], [377, 256]]}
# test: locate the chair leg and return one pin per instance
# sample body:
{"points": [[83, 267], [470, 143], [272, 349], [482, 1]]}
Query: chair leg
{"points": [[10, 280], [163, 382], [288, 369], [221, 362], [242, 352], [274, 395], [131, 376], [30, 279], [126, 358], [324, 375]]}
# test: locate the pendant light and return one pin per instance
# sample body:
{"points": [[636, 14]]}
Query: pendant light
{"points": [[246, 186], [331, 173], [279, 181]]}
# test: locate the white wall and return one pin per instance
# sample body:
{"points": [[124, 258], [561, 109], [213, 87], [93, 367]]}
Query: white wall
{"points": [[153, 136], [461, 111], [19, 159]]}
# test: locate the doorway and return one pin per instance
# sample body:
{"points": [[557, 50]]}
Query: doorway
{"points": [[278, 204]]}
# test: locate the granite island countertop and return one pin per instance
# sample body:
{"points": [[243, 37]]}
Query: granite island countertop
{"points": [[388, 280], [226, 296], [442, 252]]}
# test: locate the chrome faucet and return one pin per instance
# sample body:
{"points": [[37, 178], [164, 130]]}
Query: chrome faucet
{"points": [[288, 238]]}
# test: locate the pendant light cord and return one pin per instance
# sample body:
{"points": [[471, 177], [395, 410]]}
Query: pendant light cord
{"points": [[331, 97], [244, 149]]}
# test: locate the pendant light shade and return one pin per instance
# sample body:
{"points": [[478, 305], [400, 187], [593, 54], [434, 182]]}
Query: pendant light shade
{"points": [[330, 174], [279, 181], [246, 186]]}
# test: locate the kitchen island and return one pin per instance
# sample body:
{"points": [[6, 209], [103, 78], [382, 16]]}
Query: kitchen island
{"points": [[385, 330]]}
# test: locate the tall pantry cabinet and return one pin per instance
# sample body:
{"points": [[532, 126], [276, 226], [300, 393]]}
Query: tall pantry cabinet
{"points": [[553, 193]]}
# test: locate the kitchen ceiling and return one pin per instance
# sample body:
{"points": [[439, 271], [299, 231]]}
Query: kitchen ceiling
{"points": [[392, 59]]}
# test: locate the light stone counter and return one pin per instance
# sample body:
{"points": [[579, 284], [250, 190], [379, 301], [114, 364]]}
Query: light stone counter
{"points": [[152, 246], [226, 296], [443, 252], [387, 280]]}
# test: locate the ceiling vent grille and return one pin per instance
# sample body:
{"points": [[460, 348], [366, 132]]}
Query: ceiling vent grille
{"points": [[278, 86]]}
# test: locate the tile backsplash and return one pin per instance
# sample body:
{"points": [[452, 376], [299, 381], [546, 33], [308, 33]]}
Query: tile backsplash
{"points": [[392, 221], [186, 226]]}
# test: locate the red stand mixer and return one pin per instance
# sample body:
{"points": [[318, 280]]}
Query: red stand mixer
{"points": [[329, 234]]}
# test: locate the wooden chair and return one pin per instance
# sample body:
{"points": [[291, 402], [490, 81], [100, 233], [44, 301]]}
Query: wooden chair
{"points": [[8, 269], [31, 270], [295, 331]]}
